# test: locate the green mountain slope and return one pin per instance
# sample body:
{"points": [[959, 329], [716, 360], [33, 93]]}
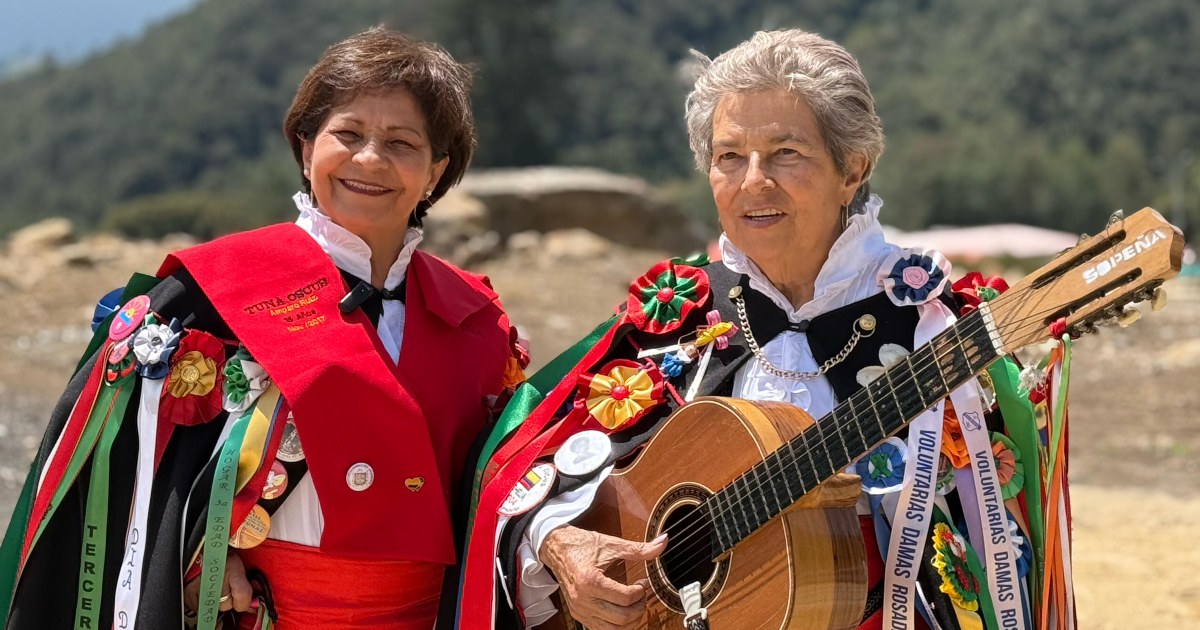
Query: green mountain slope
{"points": [[1052, 113]]}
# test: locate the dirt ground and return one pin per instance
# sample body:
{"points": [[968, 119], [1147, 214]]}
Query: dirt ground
{"points": [[1135, 405]]}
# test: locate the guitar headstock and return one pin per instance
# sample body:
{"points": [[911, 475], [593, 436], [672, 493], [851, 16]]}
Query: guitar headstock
{"points": [[1092, 282]]}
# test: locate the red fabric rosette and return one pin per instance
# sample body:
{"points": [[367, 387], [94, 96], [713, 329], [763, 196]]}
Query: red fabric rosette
{"points": [[192, 390], [969, 287], [661, 299]]}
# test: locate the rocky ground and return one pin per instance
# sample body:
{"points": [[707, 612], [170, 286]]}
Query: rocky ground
{"points": [[1135, 396]]}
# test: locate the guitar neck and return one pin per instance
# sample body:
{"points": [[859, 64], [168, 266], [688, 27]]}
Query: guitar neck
{"points": [[853, 428]]}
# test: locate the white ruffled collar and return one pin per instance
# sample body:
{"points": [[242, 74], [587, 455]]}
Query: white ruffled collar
{"points": [[847, 276], [349, 252]]}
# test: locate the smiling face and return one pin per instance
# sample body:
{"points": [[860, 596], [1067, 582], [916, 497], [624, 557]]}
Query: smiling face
{"points": [[777, 190], [370, 163]]}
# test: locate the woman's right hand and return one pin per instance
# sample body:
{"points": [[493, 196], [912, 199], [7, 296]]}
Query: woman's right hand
{"points": [[235, 590], [578, 558]]}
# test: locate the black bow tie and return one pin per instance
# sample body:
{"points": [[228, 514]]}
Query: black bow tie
{"points": [[363, 294]]}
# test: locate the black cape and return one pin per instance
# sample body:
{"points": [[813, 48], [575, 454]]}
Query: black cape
{"points": [[827, 334], [44, 598]]}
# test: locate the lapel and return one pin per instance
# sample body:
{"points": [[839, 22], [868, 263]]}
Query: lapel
{"points": [[829, 332], [439, 302], [450, 294], [431, 288]]}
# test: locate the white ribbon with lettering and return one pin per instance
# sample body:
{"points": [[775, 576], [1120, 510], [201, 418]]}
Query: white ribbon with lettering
{"points": [[914, 509], [910, 526], [999, 556], [129, 582]]}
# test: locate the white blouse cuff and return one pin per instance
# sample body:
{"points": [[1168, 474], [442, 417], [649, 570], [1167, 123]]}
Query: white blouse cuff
{"points": [[536, 584]]}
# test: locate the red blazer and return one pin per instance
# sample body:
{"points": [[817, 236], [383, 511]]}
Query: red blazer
{"points": [[413, 423]]}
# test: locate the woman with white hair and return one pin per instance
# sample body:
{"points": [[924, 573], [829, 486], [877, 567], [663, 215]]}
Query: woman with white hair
{"points": [[806, 303]]}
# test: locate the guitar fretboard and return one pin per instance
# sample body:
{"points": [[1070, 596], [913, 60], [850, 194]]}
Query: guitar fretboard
{"points": [[852, 429]]}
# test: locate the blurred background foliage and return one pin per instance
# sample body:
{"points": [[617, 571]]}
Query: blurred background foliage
{"points": [[1051, 113]]}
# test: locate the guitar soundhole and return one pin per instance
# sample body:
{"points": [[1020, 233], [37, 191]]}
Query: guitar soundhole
{"points": [[689, 545], [688, 557]]}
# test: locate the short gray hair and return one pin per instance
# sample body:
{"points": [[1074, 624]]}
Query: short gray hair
{"points": [[808, 65]]}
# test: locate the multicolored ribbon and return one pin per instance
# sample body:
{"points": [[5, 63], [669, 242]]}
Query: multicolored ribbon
{"points": [[17, 537], [107, 415], [509, 462], [1058, 594], [234, 469]]}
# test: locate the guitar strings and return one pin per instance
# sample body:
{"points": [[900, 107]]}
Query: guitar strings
{"points": [[688, 534], [862, 395], [1018, 326], [970, 329]]}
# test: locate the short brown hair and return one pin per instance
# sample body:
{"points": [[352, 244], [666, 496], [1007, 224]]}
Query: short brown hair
{"points": [[379, 60]]}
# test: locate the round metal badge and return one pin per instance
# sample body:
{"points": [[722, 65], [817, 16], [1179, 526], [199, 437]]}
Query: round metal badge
{"points": [[253, 531], [277, 480], [289, 445], [360, 476], [128, 318], [583, 453], [531, 488]]}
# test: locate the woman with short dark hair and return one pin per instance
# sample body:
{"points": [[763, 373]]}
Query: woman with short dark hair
{"points": [[272, 432]]}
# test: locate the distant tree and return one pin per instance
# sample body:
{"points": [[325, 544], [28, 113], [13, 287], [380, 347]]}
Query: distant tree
{"points": [[519, 101]]}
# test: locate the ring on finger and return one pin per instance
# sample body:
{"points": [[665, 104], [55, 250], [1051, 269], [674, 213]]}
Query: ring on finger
{"points": [[225, 598]]}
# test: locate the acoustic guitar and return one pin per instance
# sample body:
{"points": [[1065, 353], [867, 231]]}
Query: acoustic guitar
{"points": [[773, 538]]}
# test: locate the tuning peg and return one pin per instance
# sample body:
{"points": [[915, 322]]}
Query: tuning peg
{"points": [[1082, 237], [1116, 217], [1128, 316], [1159, 300], [1086, 328]]}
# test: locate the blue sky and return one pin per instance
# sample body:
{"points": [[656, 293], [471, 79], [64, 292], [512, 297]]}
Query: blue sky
{"points": [[70, 29]]}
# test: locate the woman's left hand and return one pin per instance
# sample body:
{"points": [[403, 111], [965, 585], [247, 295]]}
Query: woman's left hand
{"points": [[236, 592]]}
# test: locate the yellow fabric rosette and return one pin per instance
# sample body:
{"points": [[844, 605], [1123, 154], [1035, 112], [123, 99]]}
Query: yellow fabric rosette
{"points": [[192, 374], [620, 395]]}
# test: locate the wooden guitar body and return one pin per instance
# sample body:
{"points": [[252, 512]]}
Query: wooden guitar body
{"points": [[804, 569]]}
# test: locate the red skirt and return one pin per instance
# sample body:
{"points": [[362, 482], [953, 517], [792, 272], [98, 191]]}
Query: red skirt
{"points": [[318, 591]]}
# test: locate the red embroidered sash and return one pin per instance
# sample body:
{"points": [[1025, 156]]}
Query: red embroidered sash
{"points": [[279, 292]]}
